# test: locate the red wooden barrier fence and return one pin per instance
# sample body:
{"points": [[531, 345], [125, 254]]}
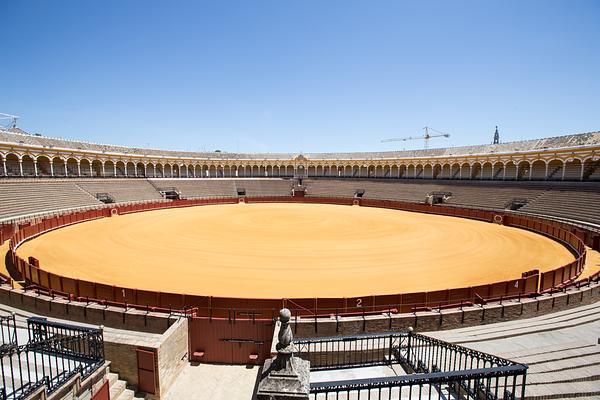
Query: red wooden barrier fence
{"points": [[221, 307]]}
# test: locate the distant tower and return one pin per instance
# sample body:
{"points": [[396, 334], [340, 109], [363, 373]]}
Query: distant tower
{"points": [[496, 136]]}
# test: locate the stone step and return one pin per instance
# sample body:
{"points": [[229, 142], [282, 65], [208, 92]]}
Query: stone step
{"points": [[567, 364], [550, 349], [563, 390], [508, 326], [127, 394], [586, 373], [557, 356], [117, 388]]}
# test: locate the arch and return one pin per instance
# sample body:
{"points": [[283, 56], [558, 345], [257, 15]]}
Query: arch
{"points": [[465, 171], [150, 170], [455, 171], [43, 166], [427, 172], [59, 166], [183, 169], [141, 169], [72, 167], [130, 169], [591, 169], [475, 171], [402, 171], [318, 170], [160, 171], [446, 171], [12, 165], [120, 168], [175, 171], [573, 170], [411, 171], [555, 170], [487, 170], [394, 171], [28, 167], [498, 170], [109, 168], [538, 170], [510, 171], [436, 171], [261, 171], [85, 167], [523, 170]]}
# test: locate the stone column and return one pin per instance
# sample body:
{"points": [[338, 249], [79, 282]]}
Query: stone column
{"points": [[79, 168], [35, 167], [21, 166], [52, 168], [4, 167]]}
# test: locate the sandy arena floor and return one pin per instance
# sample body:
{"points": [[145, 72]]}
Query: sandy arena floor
{"points": [[292, 250]]}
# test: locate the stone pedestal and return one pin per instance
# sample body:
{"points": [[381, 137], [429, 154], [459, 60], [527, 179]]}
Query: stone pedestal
{"points": [[284, 377]]}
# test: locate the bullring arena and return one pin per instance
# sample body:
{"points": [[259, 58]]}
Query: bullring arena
{"points": [[451, 273], [242, 250]]}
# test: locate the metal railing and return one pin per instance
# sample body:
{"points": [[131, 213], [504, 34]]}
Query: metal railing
{"points": [[8, 331], [54, 354], [434, 369]]}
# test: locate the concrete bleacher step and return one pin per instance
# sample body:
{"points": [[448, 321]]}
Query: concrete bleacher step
{"points": [[563, 355], [560, 366], [563, 390], [583, 374], [550, 349], [549, 322]]}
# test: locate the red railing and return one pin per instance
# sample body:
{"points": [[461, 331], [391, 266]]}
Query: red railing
{"points": [[222, 307]]}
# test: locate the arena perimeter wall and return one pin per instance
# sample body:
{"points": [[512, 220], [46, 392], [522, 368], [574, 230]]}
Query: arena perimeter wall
{"points": [[226, 307]]}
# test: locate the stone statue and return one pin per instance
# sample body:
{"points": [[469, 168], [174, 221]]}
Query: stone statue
{"points": [[285, 332]]}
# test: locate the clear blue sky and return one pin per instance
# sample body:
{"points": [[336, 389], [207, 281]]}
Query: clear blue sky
{"points": [[299, 76]]}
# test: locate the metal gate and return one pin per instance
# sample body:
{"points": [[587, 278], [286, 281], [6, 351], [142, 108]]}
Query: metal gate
{"points": [[231, 341]]}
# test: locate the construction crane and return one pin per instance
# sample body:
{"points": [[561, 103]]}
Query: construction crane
{"points": [[425, 137], [13, 118]]}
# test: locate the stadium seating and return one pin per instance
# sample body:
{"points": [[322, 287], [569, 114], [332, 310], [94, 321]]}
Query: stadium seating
{"points": [[122, 190], [21, 198]]}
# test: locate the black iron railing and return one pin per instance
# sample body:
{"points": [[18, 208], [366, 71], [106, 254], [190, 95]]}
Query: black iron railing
{"points": [[55, 353], [8, 331], [434, 369]]}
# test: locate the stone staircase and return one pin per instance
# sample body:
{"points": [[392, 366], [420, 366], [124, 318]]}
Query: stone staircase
{"points": [[562, 350]]}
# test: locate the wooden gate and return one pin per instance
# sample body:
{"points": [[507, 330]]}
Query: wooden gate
{"points": [[230, 341], [103, 393], [146, 371]]}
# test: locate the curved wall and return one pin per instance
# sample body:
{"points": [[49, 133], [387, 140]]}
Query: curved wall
{"points": [[208, 306]]}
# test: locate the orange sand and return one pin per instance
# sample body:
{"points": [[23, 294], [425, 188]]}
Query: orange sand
{"points": [[292, 250]]}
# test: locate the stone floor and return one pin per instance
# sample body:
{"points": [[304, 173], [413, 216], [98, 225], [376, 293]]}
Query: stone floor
{"points": [[214, 382]]}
